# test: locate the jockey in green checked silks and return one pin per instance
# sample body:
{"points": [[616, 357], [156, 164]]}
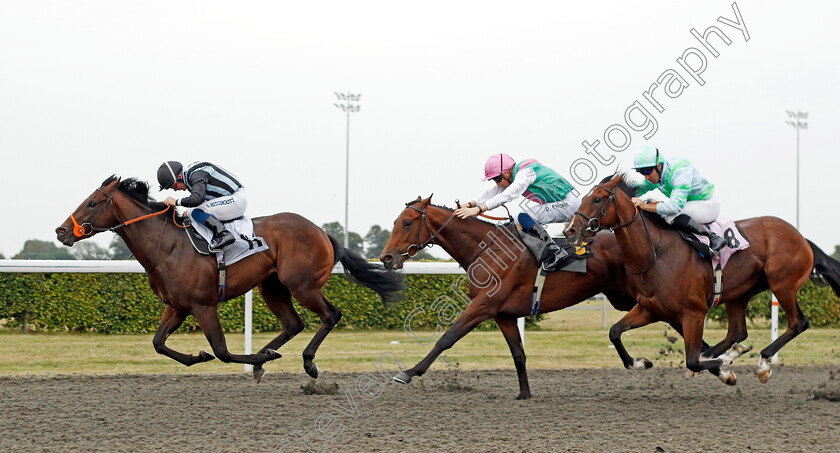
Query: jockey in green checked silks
{"points": [[691, 201], [554, 196]]}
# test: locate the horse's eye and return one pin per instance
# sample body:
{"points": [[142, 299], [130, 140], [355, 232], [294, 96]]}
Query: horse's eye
{"points": [[407, 223], [597, 199], [92, 204]]}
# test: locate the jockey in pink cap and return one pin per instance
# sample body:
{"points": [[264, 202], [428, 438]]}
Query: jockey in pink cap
{"points": [[553, 194]]}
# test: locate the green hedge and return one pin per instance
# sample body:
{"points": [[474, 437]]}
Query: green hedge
{"points": [[124, 303], [818, 302]]}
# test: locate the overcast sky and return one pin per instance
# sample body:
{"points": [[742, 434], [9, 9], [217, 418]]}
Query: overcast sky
{"points": [[94, 88]]}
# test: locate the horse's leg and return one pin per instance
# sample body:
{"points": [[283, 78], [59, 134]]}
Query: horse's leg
{"points": [[797, 323], [736, 314], [692, 322], [315, 301], [511, 332], [278, 299], [638, 316], [727, 377], [172, 319], [471, 317], [208, 320]]}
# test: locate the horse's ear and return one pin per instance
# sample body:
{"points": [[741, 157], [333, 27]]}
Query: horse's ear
{"points": [[616, 179], [427, 201]]}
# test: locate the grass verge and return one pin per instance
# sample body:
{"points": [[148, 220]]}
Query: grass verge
{"points": [[567, 339]]}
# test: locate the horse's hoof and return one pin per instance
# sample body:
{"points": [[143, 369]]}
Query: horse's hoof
{"points": [[764, 375], [690, 374], [258, 374], [524, 396], [642, 364], [205, 356], [403, 378], [728, 377], [312, 371]]}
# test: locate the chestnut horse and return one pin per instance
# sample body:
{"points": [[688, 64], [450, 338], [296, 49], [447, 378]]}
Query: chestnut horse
{"points": [[501, 273], [298, 262], [672, 283]]}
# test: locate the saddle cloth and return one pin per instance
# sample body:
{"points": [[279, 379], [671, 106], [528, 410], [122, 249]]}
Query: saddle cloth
{"points": [[575, 262], [735, 241], [246, 243]]}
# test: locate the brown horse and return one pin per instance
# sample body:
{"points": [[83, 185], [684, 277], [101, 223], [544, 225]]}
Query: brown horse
{"points": [[672, 283], [501, 273], [298, 262]]}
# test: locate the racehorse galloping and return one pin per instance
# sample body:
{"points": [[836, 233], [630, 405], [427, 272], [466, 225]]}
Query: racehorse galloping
{"points": [[483, 249], [672, 283], [298, 262]]}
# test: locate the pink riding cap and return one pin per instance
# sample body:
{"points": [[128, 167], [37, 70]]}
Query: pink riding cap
{"points": [[497, 164]]}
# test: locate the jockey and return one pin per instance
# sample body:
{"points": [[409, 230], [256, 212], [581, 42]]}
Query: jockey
{"points": [[215, 194], [535, 182], [691, 203]]}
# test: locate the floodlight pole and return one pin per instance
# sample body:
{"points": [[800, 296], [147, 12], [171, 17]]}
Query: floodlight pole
{"points": [[799, 121], [348, 107]]}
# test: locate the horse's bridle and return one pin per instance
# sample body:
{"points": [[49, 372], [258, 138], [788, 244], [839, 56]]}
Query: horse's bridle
{"points": [[80, 231], [593, 224], [432, 233]]}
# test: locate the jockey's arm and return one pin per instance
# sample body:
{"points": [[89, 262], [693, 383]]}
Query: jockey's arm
{"points": [[198, 190], [490, 193], [524, 178], [681, 183]]}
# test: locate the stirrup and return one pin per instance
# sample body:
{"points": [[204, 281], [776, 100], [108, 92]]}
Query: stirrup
{"points": [[220, 241], [557, 258], [721, 243]]}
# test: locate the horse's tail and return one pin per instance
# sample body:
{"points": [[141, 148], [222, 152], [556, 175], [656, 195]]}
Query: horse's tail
{"points": [[387, 283], [828, 267]]}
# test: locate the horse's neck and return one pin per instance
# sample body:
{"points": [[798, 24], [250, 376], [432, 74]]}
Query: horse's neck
{"points": [[636, 239], [462, 239], [150, 241]]}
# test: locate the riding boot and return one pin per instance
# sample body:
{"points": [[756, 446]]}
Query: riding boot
{"points": [[552, 254], [557, 255], [221, 236], [686, 223]]}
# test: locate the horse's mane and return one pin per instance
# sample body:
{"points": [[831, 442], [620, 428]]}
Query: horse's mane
{"points": [[418, 200], [136, 190], [475, 219], [624, 184]]}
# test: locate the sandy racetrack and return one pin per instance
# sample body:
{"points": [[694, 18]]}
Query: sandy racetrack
{"points": [[574, 410]]}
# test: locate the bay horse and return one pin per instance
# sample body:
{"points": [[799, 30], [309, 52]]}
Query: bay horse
{"points": [[298, 262], [672, 283], [502, 273]]}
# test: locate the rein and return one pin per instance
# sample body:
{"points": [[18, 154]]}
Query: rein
{"points": [[431, 233], [652, 249], [80, 231], [490, 217]]}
